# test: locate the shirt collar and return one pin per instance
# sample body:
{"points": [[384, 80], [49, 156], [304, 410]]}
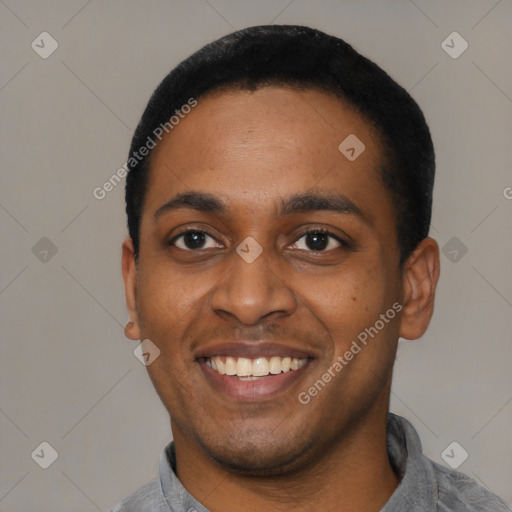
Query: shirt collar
{"points": [[416, 492], [172, 489]]}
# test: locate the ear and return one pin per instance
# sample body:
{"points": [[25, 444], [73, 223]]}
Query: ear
{"points": [[420, 276], [132, 329]]}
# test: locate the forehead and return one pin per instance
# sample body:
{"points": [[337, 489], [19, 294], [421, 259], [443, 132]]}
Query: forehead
{"points": [[254, 148]]}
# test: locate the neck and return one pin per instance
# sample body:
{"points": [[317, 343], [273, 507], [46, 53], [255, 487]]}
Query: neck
{"points": [[354, 474]]}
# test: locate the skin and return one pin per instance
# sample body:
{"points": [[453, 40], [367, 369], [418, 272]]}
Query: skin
{"points": [[251, 150]]}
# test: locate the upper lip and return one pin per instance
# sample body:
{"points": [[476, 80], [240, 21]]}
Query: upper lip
{"points": [[252, 350]]}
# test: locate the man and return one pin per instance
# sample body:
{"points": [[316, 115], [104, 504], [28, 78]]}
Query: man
{"points": [[279, 201]]}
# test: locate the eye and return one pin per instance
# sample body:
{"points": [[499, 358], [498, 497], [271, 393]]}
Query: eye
{"points": [[319, 240], [193, 239]]}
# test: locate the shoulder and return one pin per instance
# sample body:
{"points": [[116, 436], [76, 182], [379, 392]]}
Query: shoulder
{"points": [[459, 492], [148, 498]]}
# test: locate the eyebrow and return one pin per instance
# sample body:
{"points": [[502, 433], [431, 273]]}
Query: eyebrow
{"points": [[298, 203]]}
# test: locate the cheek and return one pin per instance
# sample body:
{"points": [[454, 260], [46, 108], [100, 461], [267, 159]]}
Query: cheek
{"points": [[348, 303], [168, 302]]}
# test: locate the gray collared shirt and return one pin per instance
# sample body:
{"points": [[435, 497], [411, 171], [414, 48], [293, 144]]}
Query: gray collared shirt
{"points": [[425, 486]]}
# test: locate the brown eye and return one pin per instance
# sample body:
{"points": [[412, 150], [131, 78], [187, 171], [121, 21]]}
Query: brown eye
{"points": [[192, 240], [319, 240]]}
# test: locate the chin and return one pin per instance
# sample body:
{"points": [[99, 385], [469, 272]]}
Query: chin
{"points": [[257, 454]]}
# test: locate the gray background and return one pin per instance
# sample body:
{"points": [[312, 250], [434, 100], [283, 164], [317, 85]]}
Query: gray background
{"points": [[69, 376]]}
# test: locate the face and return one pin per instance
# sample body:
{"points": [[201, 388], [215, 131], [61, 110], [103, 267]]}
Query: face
{"points": [[259, 240]]}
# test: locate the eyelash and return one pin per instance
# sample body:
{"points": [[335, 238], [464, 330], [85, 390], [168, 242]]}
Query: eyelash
{"points": [[322, 231]]}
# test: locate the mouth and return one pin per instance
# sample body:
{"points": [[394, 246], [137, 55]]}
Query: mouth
{"points": [[253, 379], [250, 369]]}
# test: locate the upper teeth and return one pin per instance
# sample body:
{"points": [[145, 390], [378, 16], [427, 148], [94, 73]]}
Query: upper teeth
{"points": [[259, 367]]}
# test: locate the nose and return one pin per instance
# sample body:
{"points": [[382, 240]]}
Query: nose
{"points": [[250, 291]]}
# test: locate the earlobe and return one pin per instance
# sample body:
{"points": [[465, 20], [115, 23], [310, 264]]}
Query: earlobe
{"points": [[420, 276], [132, 329]]}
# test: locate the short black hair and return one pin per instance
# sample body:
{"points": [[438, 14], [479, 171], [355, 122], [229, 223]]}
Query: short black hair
{"points": [[301, 57]]}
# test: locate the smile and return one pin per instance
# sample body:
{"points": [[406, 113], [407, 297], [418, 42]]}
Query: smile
{"points": [[253, 379], [251, 369]]}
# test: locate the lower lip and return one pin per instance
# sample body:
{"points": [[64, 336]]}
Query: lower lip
{"points": [[264, 388]]}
